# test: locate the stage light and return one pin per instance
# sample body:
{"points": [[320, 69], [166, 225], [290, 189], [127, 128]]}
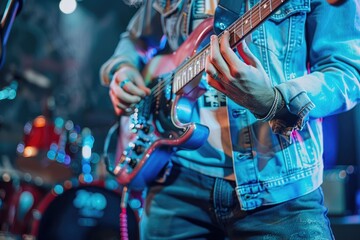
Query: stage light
{"points": [[67, 6]]}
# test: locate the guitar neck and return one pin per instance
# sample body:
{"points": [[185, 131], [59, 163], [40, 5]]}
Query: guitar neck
{"points": [[238, 30]]}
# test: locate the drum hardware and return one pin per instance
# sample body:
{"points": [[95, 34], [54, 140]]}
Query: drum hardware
{"points": [[83, 211], [104, 193], [50, 150]]}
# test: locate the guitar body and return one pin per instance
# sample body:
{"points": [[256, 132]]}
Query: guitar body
{"points": [[161, 122]]}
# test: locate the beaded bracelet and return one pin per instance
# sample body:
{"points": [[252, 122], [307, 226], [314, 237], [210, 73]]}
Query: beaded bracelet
{"points": [[274, 107]]}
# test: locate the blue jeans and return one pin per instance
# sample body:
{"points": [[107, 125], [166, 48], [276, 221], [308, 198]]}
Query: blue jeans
{"points": [[190, 205]]}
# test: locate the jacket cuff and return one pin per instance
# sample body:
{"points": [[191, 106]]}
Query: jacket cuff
{"points": [[295, 113], [109, 68], [295, 97]]}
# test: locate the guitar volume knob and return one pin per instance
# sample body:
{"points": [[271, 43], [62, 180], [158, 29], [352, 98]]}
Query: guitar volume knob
{"points": [[146, 129], [132, 162], [139, 149]]}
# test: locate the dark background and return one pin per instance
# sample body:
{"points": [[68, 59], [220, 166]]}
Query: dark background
{"points": [[66, 52]]}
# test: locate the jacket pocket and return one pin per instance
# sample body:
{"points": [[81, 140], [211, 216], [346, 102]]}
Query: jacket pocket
{"points": [[284, 29], [290, 8]]}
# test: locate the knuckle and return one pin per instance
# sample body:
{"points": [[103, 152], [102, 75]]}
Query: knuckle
{"points": [[214, 59], [223, 50], [235, 72]]}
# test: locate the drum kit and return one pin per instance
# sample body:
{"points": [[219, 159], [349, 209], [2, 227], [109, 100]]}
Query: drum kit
{"points": [[52, 192]]}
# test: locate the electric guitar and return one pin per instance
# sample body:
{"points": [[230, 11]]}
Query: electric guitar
{"points": [[161, 121]]}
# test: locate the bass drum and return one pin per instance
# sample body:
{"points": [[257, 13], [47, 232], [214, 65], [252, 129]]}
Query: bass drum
{"points": [[88, 211]]}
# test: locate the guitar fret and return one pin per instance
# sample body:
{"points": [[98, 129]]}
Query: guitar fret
{"points": [[266, 9], [201, 61], [256, 18], [183, 78], [232, 36], [197, 66], [206, 53], [250, 12], [242, 26], [247, 27], [176, 85], [190, 71], [259, 9]]}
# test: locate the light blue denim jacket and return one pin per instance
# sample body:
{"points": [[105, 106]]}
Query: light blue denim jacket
{"points": [[315, 66]]}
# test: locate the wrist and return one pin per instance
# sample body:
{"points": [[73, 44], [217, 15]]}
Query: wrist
{"points": [[277, 104]]}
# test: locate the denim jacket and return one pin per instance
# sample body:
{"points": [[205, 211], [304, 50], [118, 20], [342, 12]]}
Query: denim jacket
{"points": [[316, 68]]}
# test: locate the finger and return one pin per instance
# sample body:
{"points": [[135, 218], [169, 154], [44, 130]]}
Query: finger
{"points": [[139, 81], [217, 81], [115, 102], [233, 61], [216, 58], [121, 108], [123, 96], [124, 90], [212, 77], [127, 84], [126, 96], [247, 55], [126, 110]]}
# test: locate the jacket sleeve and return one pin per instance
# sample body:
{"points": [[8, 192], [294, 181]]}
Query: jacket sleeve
{"points": [[333, 83], [136, 45]]}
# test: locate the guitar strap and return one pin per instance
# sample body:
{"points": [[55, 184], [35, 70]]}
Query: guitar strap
{"points": [[226, 13]]}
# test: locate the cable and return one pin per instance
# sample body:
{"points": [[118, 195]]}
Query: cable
{"points": [[123, 215], [124, 235], [106, 158]]}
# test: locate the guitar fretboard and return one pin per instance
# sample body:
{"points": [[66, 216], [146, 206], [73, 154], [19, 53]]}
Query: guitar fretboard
{"points": [[238, 31]]}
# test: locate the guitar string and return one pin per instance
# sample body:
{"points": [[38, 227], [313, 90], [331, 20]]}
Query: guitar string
{"points": [[255, 16]]}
